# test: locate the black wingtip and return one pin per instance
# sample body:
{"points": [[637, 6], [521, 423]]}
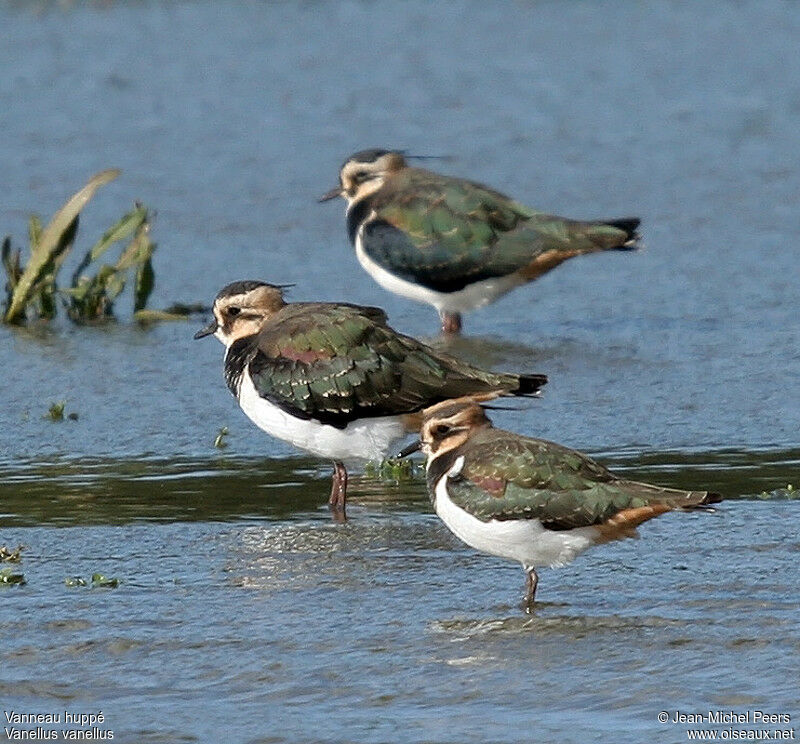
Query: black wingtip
{"points": [[530, 384], [712, 498], [629, 225]]}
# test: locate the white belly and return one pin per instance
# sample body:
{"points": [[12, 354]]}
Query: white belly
{"points": [[366, 439], [472, 296], [523, 540]]}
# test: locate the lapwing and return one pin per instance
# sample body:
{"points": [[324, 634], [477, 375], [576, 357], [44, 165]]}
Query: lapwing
{"points": [[530, 500], [453, 243], [334, 379]]}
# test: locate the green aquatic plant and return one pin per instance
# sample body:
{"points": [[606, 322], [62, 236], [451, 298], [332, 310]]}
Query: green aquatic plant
{"points": [[101, 582], [11, 556], [790, 493], [391, 469], [7, 576], [176, 311], [220, 442], [32, 290], [92, 297], [56, 411], [98, 581]]}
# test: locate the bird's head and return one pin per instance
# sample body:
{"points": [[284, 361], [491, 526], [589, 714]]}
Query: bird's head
{"points": [[448, 425], [241, 308], [365, 172]]}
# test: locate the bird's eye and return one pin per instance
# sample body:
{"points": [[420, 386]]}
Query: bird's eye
{"points": [[442, 430], [233, 311], [361, 176]]}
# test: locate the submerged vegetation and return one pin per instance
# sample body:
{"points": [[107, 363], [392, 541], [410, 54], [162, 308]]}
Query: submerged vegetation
{"points": [[7, 576], [56, 412], [32, 291], [101, 582], [220, 442], [11, 556], [392, 470], [10, 576], [790, 493], [98, 581]]}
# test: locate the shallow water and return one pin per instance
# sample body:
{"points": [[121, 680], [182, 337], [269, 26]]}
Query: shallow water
{"points": [[245, 615]]}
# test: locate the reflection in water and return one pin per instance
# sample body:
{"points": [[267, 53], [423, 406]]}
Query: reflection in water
{"points": [[110, 491], [116, 491], [562, 625]]}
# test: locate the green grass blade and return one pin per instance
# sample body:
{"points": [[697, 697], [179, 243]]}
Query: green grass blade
{"points": [[34, 230], [145, 281], [44, 252], [128, 225], [139, 254], [139, 249], [11, 265], [125, 227], [43, 292]]}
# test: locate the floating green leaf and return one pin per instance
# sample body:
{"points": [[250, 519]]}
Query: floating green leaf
{"points": [[789, 493], [157, 316], [181, 308], [56, 411], [99, 581], [11, 556], [7, 576], [176, 311], [391, 469]]}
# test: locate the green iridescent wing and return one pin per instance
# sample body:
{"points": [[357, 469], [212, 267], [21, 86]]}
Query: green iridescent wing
{"points": [[446, 232], [510, 477], [337, 363]]}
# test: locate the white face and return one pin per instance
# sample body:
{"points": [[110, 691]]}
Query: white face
{"points": [[359, 179], [236, 318], [244, 314], [451, 427]]}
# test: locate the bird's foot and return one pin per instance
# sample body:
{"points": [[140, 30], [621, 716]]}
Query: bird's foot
{"points": [[451, 323], [531, 582], [338, 498], [338, 514]]}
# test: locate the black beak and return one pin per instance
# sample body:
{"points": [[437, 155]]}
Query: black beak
{"points": [[208, 330], [332, 194], [411, 449]]}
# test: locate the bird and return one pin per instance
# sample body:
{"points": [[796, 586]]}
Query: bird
{"points": [[530, 500], [453, 243], [335, 379]]}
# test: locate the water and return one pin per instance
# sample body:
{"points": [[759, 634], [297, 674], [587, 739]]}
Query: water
{"points": [[244, 614]]}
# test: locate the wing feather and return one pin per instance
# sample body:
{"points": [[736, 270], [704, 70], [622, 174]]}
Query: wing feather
{"points": [[446, 233], [337, 363], [510, 477]]}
